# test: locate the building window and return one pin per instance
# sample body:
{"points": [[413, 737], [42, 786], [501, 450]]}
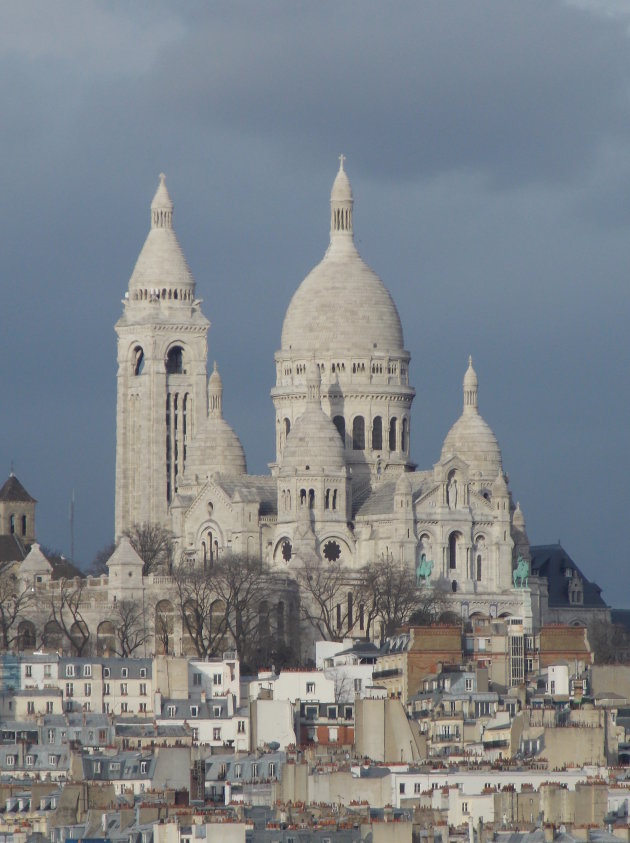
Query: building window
{"points": [[237, 771], [87, 689], [51, 736], [217, 679], [377, 433], [52, 760], [143, 689], [272, 769], [196, 679], [123, 689], [310, 687], [216, 733], [393, 423], [28, 670], [469, 684], [30, 707], [69, 689], [401, 787], [105, 689], [124, 672], [142, 708], [49, 706], [143, 673], [87, 669], [171, 711], [47, 670], [30, 760], [124, 708], [69, 670], [105, 672], [143, 766], [11, 760], [255, 770], [194, 711], [358, 433], [241, 727]]}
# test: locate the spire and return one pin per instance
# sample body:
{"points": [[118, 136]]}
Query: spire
{"points": [[162, 206], [341, 203], [471, 385], [215, 393]]}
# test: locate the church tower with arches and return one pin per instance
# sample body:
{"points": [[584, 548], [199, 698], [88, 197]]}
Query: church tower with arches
{"points": [[162, 378]]}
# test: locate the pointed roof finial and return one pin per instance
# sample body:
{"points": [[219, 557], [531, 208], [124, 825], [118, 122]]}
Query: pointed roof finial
{"points": [[341, 203], [471, 385], [162, 206]]}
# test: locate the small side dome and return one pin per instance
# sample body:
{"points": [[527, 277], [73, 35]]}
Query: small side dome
{"points": [[215, 448], [313, 441], [518, 519], [471, 438]]}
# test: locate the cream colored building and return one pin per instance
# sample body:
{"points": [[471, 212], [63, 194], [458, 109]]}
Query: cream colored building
{"points": [[342, 489]]}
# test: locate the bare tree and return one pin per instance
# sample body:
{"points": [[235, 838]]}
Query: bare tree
{"points": [[432, 606], [325, 602], [391, 593], [153, 544], [609, 642], [202, 609], [14, 599], [130, 624], [66, 609], [245, 591]]}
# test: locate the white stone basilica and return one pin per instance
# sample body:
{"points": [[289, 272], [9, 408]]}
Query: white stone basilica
{"points": [[342, 488]]}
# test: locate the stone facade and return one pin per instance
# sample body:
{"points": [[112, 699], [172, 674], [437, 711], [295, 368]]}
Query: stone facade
{"points": [[342, 489]]}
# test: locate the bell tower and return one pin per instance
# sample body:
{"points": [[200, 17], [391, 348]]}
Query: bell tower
{"points": [[162, 393]]}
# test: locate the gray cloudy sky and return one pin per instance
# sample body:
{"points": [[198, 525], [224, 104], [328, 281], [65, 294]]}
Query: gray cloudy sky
{"points": [[488, 145]]}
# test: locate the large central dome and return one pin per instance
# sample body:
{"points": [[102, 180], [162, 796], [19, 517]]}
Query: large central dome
{"points": [[342, 305]]}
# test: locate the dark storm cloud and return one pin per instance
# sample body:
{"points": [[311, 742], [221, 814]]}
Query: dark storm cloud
{"points": [[520, 91], [488, 151]]}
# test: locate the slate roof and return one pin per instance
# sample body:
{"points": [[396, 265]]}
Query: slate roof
{"points": [[264, 489], [12, 549], [552, 562], [379, 500], [13, 490]]}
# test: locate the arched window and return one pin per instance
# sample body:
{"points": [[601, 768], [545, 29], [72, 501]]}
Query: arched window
{"points": [[340, 424], [478, 568], [358, 433], [327, 499], [287, 427], [350, 608], [377, 433], [302, 497], [453, 542], [12, 524], [393, 422], [175, 361], [138, 360], [311, 498], [405, 436], [24, 525], [334, 500]]}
